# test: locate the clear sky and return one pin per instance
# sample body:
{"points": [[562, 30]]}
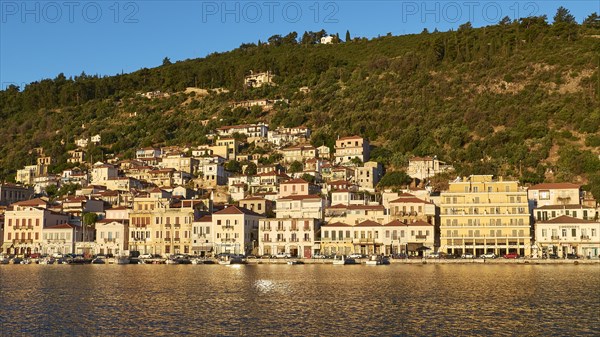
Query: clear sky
{"points": [[40, 39]]}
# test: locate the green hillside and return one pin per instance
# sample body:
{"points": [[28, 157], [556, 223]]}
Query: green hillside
{"points": [[521, 98]]}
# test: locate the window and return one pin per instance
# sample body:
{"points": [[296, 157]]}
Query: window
{"points": [[573, 232], [564, 232], [544, 233]]}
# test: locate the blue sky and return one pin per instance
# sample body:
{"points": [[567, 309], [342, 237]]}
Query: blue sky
{"points": [[40, 39]]}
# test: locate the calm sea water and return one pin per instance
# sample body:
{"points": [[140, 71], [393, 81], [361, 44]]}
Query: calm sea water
{"points": [[301, 300]]}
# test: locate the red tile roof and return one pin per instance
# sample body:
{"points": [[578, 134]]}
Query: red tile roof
{"points": [[565, 219], [554, 186], [300, 197], [32, 202], [368, 223], [337, 224], [295, 181], [236, 210]]}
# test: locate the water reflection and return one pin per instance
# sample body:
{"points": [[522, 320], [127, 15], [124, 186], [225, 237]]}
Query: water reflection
{"points": [[306, 300]]}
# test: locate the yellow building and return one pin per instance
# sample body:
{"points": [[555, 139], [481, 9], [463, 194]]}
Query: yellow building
{"points": [[479, 215]]}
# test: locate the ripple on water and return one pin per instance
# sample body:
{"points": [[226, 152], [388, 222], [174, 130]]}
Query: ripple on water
{"points": [[308, 300]]}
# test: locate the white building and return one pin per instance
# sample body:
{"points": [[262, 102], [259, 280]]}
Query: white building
{"points": [[568, 235], [295, 237], [235, 230]]}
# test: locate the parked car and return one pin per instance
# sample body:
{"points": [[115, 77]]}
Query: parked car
{"points": [[511, 256], [488, 256], [356, 256], [467, 256], [318, 256], [553, 256], [145, 256], [572, 256], [435, 255], [283, 255]]}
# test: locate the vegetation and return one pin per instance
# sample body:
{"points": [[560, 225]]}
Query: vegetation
{"points": [[520, 98]]}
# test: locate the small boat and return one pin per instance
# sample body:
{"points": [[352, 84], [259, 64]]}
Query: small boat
{"points": [[122, 259], [26, 261], [46, 260], [98, 261], [293, 262], [197, 261], [4, 260], [171, 261], [343, 260], [377, 260], [15, 260], [232, 260]]}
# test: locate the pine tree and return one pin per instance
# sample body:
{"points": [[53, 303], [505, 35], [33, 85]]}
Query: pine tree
{"points": [[347, 36]]}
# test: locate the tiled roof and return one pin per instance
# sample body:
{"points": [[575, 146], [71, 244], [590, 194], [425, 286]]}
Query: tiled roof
{"points": [[236, 210], [300, 197], [565, 219], [368, 223], [32, 202], [295, 181], [553, 186], [409, 200], [574, 206], [337, 224]]}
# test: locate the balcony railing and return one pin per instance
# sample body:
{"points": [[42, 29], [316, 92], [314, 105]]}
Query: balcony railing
{"points": [[281, 229], [168, 239], [585, 237], [421, 237], [554, 237], [109, 240], [228, 227], [306, 229], [23, 241], [281, 240], [228, 240], [266, 228], [294, 240], [168, 225], [266, 240], [294, 229]]}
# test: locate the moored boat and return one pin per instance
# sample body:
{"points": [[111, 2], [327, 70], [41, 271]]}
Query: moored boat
{"points": [[342, 260]]}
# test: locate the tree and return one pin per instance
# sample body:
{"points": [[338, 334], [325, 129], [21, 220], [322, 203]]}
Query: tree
{"points": [[563, 16], [394, 179], [89, 218], [296, 166], [309, 178], [51, 191], [233, 166], [592, 21], [347, 36], [251, 169], [166, 61]]}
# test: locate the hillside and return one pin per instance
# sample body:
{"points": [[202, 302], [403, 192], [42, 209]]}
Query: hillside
{"points": [[520, 98]]}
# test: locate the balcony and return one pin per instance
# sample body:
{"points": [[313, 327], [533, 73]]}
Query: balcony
{"points": [[228, 227], [306, 240], [421, 237], [228, 240], [281, 240], [167, 239], [306, 229], [176, 239], [364, 241], [266, 229], [168, 225], [23, 241], [554, 237], [109, 240], [585, 237], [294, 240], [281, 229], [177, 225], [266, 240]]}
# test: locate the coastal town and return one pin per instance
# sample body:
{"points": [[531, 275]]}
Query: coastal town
{"points": [[294, 201]]}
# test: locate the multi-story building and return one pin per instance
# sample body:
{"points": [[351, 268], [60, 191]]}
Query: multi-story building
{"points": [[568, 235], [112, 237], [24, 222], [27, 174], [355, 214], [102, 172], [235, 230], [370, 237], [348, 148], [258, 205], [554, 194], [179, 163], [60, 239], [249, 130], [479, 215], [549, 212], [408, 208], [297, 187], [147, 152], [202, 238], [294, 236], [300, 206], [11, 193], [367, 176], [259, 79], [424, 167], [299, 153]]}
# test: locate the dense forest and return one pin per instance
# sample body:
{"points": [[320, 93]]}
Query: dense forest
{"points": [[520, 98]]}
